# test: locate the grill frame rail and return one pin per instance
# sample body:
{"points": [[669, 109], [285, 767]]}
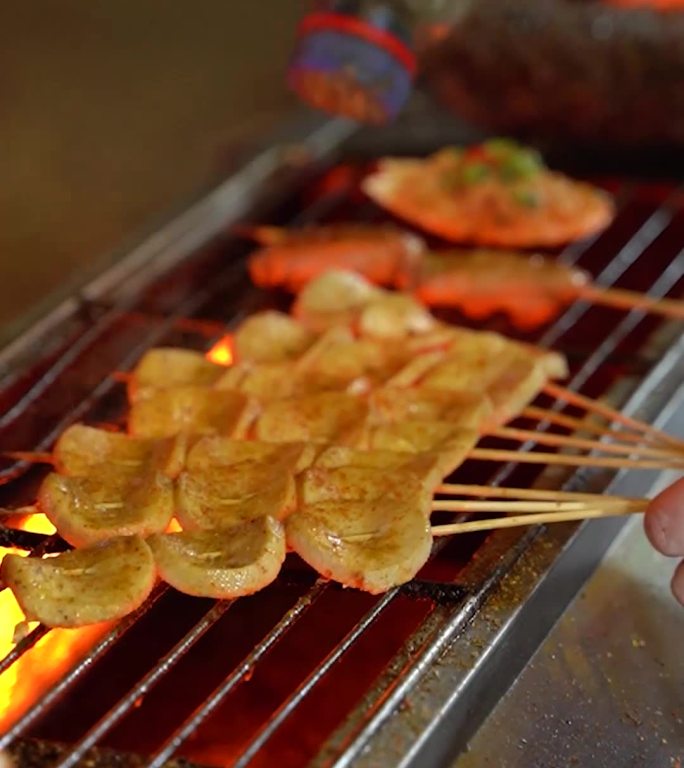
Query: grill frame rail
{"points": [[410, 716]]}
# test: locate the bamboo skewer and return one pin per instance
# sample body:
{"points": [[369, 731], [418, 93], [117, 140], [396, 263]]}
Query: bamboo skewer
{"points": [[537, 457], [622, 299], [530, 519], [503, 492], [582, 425], [528, 507], [574, 398], [569, 441]]}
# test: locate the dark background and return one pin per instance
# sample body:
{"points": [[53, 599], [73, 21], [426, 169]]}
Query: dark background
{"points": [[113, 113]]}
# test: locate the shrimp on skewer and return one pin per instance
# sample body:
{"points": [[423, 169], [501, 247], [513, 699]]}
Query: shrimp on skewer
{"points": [[530, 288], [98, 583], [291, 258]]}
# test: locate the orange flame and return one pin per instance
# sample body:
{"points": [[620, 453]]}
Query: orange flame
{"points": [[222, 352], [37, 670], [35, 524]]}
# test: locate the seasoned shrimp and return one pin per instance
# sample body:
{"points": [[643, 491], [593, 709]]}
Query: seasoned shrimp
{"points": [[292, 258], [531, 289]]}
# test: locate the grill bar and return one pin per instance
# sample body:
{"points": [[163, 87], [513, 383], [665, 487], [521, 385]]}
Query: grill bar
{"points": [[54, 694], [654, 226], [60, 365], [439, 634], [574, 251], [186, 730], [316, 675], [86, 404], [21, 647], [151, 678], [658, 289]]}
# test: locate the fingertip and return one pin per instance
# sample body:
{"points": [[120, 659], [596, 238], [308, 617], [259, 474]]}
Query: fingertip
{"points": [[664, 520]]}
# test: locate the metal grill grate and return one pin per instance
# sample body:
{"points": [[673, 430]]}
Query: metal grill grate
{"points": [[363, 653]]}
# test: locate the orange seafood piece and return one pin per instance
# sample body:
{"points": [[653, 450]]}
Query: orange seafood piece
{"points": [[194, 410], [661, 5], [468, 410], [423, 468], [509, 374], [271, 337], [89, 509], [334, 298], [167, 367], [222, 564], [364, 527], [450, 443], [497, 193], [83, 586], [324, 417], [292, 258], [81, 449], [529, 288], [341, 297]]}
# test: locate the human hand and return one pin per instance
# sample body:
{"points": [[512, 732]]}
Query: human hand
{"points": [[664, 526]]}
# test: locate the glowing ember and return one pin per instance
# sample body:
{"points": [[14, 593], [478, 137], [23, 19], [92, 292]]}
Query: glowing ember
{"points": [[222, 352], [174, 526]]}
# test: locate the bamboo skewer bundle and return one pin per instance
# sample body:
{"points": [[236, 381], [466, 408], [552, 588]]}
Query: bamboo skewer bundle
{"points": [[532, 507], [594, 406], [572, 460], [583, 425], [530, 519], [522, 506], [622, 299], [502, 492], [546, 438]]}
